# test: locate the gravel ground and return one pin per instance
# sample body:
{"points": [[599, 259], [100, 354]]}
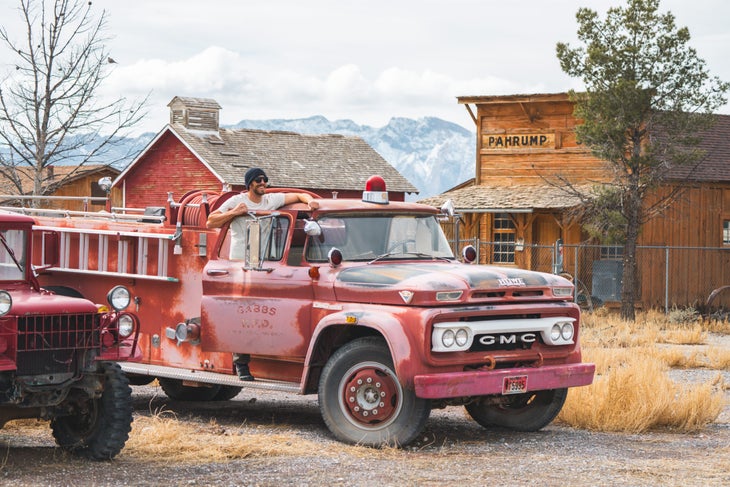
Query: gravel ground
{"points": [[453, 450]]}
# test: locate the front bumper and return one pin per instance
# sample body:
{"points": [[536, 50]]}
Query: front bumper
{"points": [[489, 382]]}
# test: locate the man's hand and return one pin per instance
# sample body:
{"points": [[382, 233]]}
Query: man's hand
{"points": [[218, 218]]}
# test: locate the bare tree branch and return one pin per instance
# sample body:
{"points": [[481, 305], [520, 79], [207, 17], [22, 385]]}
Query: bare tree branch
{"points": [[50, 111]]}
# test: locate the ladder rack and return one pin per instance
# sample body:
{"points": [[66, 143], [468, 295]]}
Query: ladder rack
{"points": [[110, 253]]}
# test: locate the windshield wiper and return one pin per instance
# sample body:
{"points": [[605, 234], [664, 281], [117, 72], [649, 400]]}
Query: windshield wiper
{"points": [[11, 252], [420, 255]]}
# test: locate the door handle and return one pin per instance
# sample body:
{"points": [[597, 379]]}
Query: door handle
{"points": [[217, 272]]}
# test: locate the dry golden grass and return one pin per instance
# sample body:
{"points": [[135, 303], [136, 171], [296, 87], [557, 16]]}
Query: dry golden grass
{"points": [[162, 437], [632, 391]]}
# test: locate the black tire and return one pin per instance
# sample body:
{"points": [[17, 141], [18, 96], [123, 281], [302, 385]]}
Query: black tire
{"points": [[226, 393], [353, 377], [139, 380], [175, 389], [522, 412], [101, 426]]}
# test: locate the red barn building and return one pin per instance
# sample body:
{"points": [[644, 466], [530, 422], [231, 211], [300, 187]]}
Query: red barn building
{"points": [[193, 152]]}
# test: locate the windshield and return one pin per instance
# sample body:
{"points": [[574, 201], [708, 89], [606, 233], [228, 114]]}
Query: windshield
{"points": [[365, 238], [12, 255]]}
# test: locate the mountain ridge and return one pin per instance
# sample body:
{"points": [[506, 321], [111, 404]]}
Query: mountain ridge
{"points": [[433, 154]]}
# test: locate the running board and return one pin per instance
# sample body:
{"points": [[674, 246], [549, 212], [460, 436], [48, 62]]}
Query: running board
{"points": [[208, 377]]}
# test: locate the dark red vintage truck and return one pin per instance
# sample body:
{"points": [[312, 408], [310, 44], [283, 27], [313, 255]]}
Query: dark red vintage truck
{"points": [[361, 302], [59, 354]]}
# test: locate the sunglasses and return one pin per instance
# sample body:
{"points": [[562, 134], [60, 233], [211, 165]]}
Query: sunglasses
{"points": [[261, 179]]}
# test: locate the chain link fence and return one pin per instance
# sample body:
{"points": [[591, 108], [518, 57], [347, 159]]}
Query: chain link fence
{"points": [[668, 277]]}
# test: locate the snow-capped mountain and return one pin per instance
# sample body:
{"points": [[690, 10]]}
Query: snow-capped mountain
{"points": [[433, 154]]}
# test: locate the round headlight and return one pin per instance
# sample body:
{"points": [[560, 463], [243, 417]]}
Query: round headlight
{"points": [[555, 332], [119, 298], [567, 331], [6, 302], [448, 338], [461, 337], [126, 326]]}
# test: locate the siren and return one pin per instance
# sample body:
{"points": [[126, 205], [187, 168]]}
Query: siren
{"points": [[375, 191]]}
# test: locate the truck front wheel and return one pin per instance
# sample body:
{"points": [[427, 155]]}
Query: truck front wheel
{"points": [[522, 412], [362, 401], [100, 427]]}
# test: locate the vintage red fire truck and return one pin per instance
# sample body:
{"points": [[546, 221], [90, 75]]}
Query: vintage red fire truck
{"points": [[59, 354], [359, 301]]}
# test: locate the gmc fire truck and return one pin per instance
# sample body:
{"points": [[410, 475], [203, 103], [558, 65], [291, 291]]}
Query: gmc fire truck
{"points": [[361, 302], [59, 354]]}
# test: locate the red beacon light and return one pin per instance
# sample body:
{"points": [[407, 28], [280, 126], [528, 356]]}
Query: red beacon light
{"points": [[375, 191]]}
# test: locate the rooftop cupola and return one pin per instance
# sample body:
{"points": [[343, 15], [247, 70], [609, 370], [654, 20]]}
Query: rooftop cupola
{"points": [[195, 113]]}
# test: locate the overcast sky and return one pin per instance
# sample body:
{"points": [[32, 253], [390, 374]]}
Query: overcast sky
{"points": [[367, 60]]}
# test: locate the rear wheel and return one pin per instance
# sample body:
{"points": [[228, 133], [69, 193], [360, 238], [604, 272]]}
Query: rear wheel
{"points": [[362, 401], [226, 393], [522, 412], [100, 427], [175, 389], [140, 380]]}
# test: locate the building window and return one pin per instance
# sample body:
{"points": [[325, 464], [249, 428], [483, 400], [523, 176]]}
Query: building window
{"points": [[504, 239], [612, 252], [726, 232]]}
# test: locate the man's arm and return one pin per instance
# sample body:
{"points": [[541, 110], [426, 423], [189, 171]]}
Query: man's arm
{"points": [[305, 198], [218, 218]]}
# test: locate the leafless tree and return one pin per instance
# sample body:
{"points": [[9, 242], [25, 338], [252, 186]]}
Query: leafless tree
{"points": [[50, 109]]}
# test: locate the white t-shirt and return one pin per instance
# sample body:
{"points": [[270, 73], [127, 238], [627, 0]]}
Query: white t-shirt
{"points": [[269, 201]]}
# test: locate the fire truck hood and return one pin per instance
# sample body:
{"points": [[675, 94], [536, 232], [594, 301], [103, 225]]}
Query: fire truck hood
{"points": [[30, 302], [376, 282]]}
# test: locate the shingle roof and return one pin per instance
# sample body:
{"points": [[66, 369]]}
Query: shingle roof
{"points": [[492, 199], [291, 159], [716, 165]]}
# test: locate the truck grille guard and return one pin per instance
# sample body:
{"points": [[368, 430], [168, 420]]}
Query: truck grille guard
{"points": [[55, 344]]}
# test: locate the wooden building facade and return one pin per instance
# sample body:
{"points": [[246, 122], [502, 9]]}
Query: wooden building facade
{"points": [[71, 188], [526, 144]]}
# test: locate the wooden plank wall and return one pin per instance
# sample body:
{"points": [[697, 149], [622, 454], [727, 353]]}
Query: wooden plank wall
{"points": [[531, 163], [695, 220]]}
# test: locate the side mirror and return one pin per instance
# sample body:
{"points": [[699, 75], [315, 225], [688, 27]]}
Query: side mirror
{"points": [[312, 228], [448, 208], [253, 244]]}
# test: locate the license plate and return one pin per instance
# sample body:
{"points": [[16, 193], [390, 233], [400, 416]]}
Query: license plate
{"points": [[514, 385]]}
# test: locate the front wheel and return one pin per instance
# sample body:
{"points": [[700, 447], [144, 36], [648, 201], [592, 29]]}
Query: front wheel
{"points": [[100, 427], [362, 401], [522, 412]]}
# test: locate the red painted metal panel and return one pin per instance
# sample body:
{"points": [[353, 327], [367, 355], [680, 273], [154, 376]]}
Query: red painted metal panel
{"points": [[481, 383]]}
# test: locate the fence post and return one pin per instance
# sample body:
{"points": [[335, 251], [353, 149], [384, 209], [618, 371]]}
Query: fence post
{"points": [[666, 280], [577, 273]]}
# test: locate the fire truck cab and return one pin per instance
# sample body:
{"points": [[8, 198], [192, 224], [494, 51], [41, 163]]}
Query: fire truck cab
{"points": [[361, 302], [58, 353]]}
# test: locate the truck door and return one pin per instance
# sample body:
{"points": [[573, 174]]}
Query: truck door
{"points": [[253, 307]]}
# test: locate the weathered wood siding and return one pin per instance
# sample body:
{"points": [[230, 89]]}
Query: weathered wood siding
{"points": [[82, 187], [525, 160], [167, 166], [529, 140]]}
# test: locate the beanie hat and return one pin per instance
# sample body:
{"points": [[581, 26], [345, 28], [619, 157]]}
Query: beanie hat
{"points": [[252, 174]]}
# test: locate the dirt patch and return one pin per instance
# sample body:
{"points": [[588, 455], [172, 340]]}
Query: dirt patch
{"points": [[289, 443]]}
